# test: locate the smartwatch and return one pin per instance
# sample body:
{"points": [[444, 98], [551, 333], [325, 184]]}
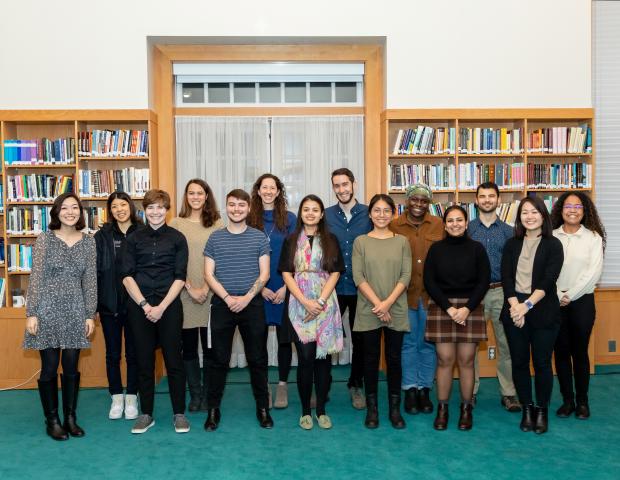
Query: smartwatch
{"points": [[529, 304], [142, 303]]}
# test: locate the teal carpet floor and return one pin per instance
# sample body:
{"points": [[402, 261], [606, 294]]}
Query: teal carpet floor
{"points": [[494, 449]]}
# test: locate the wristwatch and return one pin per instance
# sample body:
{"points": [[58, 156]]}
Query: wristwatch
{"points": [[321, 302], [143, 303], [529, 304]]}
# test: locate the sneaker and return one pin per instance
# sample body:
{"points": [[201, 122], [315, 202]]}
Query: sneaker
{"points": [[281, 396], [116, 409], [306, 423], [142, 424], [357, 398], [510, 403], [131, 407], [324, 421], [181, 424]]}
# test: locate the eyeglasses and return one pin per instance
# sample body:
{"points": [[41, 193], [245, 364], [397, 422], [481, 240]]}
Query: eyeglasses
{"points": [[570, 206]]}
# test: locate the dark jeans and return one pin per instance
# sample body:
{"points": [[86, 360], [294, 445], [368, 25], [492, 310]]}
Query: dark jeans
{"points": [[393, 343], [51, 357], [357, 362], [540, 342], [147, 335], [571, 347], [190, 343], [310, 368], [113, 327], [253, 330]]}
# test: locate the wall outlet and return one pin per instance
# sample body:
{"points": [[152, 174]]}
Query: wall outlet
{"points": [[612, 346], [491, 353]]}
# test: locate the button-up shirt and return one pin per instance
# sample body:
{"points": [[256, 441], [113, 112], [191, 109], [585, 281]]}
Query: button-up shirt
{"points": [[155, 259], [493, 239], [420, 237], [346, 232]]}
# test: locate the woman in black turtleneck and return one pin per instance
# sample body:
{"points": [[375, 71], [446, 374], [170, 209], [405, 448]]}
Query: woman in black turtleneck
{"points": [[456, 276]]}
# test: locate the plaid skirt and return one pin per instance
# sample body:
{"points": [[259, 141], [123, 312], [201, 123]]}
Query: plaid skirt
{"points": [[440, 328]]}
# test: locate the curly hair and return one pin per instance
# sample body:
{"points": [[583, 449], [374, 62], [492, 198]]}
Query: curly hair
{"points": [[590, 219], [280, 214], [209, 214]]}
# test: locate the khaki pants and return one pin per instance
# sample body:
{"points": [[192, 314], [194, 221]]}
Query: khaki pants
{"points": [[493, 303]]}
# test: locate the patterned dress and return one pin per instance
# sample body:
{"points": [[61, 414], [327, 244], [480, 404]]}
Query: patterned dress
{"points": [[62, 292]]}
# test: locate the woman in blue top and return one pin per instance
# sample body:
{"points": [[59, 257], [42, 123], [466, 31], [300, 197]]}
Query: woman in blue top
{"points": [[268, 212]]}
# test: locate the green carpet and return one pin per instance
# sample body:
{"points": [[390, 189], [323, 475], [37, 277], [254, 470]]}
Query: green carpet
{"points": [[495, 448]]}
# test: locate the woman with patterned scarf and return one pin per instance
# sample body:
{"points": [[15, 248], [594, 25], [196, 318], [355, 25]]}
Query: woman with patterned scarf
{"points": [[311, 264]]}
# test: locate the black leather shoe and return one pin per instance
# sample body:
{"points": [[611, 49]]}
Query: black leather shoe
{"points": [[411, 401], [213, 419], [48, 391], [424, 401], [70, 389], [396, 418], [582, 412], [527, 418], [566, 409], [466, 420], [264, 419], [441, 420], [372, 414], [542, 420]]}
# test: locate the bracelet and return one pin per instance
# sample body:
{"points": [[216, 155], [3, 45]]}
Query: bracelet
{"points": [[321, 302], [226, 296]]}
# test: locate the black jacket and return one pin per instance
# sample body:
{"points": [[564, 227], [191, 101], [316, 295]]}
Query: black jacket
{"points": [[548, 262], [112, 296]]}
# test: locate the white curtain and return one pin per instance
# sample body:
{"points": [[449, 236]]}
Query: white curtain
{"points": [[231, 152]]}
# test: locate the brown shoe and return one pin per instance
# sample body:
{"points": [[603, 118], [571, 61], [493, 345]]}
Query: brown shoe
{"points": [[441, 420], [511, 403], [466, 420]]}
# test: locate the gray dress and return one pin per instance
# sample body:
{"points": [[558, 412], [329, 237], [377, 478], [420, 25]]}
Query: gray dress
{"points": [[62, 292]]}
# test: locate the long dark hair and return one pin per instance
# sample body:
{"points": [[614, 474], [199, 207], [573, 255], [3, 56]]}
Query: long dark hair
{"points": [[55, 210], [280, 207], [590, 219], [328, 244], [209, 213], [118, 195], [538, 204]]}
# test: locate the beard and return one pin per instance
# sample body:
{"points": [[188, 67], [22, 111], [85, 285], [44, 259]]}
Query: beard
{"points": [[487, 209]]}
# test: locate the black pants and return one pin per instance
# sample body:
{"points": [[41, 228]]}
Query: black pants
{"points": [[393, 343], [540, 342], [113, 328], [51, 358], [147, 335], [571, 347], [190, 343], [253, 329], [311, 369], [285, 356], [357, 362]]}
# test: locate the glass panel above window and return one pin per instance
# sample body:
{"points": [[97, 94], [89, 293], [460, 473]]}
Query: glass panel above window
{"points": [[270, 92], [320, 92], [193, 93], [245, 92], [346, 92], [219, 93], [295, 92]]}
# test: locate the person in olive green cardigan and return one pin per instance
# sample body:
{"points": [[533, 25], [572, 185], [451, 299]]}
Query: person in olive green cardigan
{"points": [[382, 271]]}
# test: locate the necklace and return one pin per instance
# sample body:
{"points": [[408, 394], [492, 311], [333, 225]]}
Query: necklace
{"points": [[270, 232]]}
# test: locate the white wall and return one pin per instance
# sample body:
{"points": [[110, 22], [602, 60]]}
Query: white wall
{"points": [[440, 53]]}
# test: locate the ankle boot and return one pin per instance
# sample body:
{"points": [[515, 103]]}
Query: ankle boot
{"points": [[424, 400], [192, 372], [441, 420], [542, 420], [566, 409], [527, 418], [411, 400], [48, 391], [372, 414], [70, 388], [395, 417], [466, 420]]}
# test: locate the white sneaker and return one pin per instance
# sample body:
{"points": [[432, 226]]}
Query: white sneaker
{"points": [[131, 407], [116, 409]]}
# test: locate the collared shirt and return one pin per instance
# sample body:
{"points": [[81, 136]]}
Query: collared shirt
{"points": [[493, 239], [346, 232], [420, 238], [155, 259]]}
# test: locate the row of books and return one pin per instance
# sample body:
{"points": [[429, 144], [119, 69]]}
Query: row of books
{"points": [[438, 177], [561, 140], [2, 250], [20, 257], [492, 141], [505, 175], [101, 183], [425, 141], [505, 211], [2, 290], [40, 151], [113, 143], [37, 187], [559, 175], [27, 220]]}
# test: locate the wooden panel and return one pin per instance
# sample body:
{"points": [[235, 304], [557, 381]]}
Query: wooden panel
{"points": [[488, 113], [606, 327], [47, 116]]}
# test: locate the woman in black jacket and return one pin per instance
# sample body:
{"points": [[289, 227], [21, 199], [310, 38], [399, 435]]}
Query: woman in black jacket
{"points": [[531, 265], [112, 302]]}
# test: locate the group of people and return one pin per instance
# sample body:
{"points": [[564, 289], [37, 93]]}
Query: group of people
{"points": [[420, 287]]}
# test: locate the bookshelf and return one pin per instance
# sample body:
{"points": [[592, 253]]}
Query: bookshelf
{"points": [[538, 152]]}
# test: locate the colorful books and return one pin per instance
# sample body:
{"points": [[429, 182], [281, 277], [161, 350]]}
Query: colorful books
{"points": [[42, 151], [505, 175], [27, 220], [425, 141], [20, 258], [101, 183], [2, 290], [37, 187], [490, 141], [559, 175], [555, 140], [113, 143], [438, 177]]}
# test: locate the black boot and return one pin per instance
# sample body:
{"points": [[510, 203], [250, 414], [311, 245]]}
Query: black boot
{"points": [[441, 420], [527, 418], [411, 401], [48, 391], [70, 388], [192, 372], [424, 400], [542, 420], [466, 420], [395, 417], [566, 409], [213, 419], [582, 411], [372, 413]]}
